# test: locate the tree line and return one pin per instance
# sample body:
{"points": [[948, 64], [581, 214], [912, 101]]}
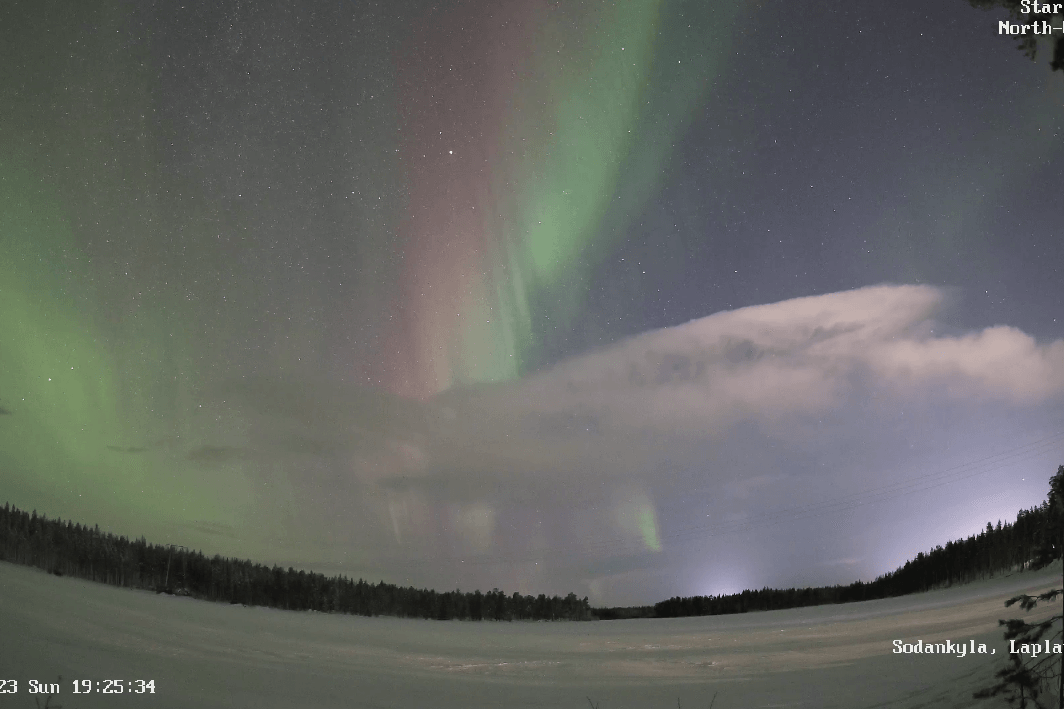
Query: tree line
{"points": [[1032, 541], [66, 548]]}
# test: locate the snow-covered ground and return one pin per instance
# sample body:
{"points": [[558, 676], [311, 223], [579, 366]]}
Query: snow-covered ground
{"points": [[211, 655]]}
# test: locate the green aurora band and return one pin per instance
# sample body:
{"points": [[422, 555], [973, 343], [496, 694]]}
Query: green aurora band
{"points": [[582, 139]]}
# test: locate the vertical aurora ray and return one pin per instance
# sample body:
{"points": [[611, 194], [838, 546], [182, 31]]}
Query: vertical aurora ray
{"points": [[648, 526], [635, 514], [530, 143]]}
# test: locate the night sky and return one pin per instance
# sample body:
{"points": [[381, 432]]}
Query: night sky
{"points": [[634, 300]]}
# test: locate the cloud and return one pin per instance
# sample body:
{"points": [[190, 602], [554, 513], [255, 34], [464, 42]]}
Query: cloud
{"points": [[619, 412], [212, 455], [214, 529], [126, 449], [800, 356], [998, 361], [610, 453]]}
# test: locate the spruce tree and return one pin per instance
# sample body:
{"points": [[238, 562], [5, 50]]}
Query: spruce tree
{"points": [[1024, 679]]}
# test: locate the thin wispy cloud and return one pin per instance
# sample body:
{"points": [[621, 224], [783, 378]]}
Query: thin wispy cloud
{"points": [[126, 449]]}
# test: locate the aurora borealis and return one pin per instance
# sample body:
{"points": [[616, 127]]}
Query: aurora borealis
{"points": [[626, 299], [519, 138]]}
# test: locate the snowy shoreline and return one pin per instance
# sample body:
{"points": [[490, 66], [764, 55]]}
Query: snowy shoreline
{"points": [[210, 655]]}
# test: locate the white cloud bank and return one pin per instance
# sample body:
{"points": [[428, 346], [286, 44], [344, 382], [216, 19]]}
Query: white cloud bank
{"points": [[614, 413], [765, 363], [798, 356]]}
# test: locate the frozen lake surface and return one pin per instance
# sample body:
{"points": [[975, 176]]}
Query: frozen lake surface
{"points": [[203, 654]]}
